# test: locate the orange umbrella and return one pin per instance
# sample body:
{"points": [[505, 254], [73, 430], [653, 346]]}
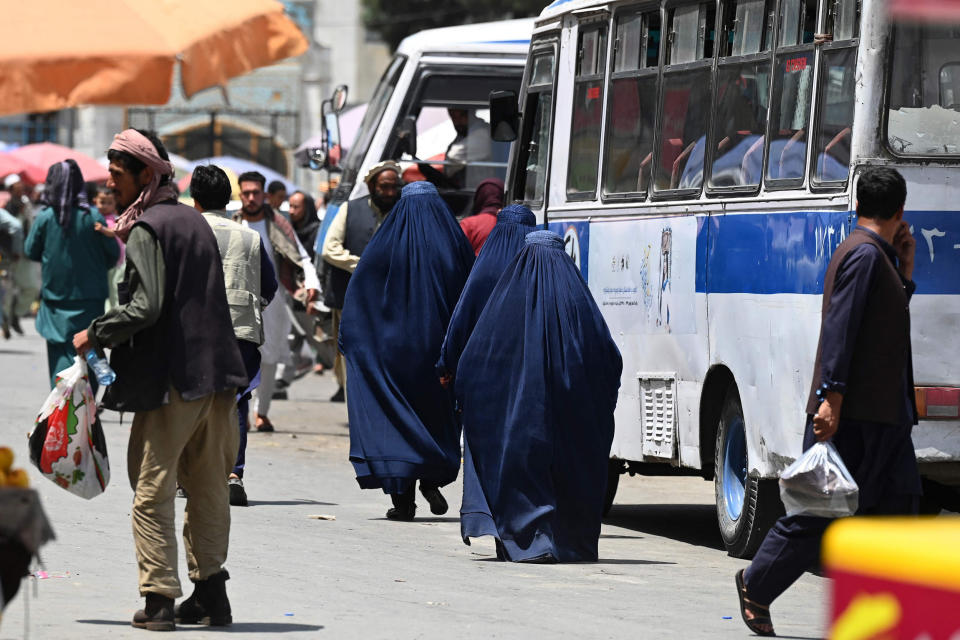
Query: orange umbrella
{"points": [[44, 154], [57, 54]]}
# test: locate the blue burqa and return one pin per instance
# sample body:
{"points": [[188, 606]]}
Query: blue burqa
{"points": [[538, 384], [397, 308], [502, 246]]}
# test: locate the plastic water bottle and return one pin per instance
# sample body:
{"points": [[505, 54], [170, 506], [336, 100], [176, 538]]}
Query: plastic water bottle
{"points": [[101, 368]]}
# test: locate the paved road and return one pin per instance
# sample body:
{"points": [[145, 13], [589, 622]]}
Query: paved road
{"points": [[662, 571]]}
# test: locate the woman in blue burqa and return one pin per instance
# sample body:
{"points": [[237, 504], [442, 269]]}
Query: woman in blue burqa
{"points": [[537, 384], [395, 315]]}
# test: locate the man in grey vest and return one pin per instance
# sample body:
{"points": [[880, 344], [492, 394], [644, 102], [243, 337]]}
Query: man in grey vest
{"points": [[348, 235], [862, 395], [251, 284]]}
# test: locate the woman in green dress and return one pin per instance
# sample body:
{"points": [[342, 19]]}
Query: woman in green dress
{"points": [[75, 259]]}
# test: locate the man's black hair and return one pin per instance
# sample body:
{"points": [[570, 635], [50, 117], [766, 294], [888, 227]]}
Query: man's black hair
{"points": [[881, 193], [276, 186], [133, 164], [252, 176], [210, 187], [309, 205]]}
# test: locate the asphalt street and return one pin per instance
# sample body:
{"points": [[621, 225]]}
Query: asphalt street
{"points": [[662, 571]]}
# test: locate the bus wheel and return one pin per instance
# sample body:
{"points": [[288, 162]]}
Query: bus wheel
{"points": [[614, 469], [746, 506]]}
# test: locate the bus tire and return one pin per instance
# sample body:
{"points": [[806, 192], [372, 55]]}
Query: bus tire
{"points": [[614, 469], [746, 505]]}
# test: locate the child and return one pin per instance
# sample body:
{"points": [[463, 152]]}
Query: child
{"points": [[107, 206]]}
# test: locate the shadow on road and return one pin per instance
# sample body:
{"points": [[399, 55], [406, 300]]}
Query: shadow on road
{"points": [[236, 627], [15, 352], [694, 524], [433, 520], [286, 503]]}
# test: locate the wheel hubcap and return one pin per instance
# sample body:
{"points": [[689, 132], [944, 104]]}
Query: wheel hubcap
{"points": [[734, 468]]}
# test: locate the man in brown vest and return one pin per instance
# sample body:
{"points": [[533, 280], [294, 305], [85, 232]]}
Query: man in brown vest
{"points": [[178, 368], [862, 396]]}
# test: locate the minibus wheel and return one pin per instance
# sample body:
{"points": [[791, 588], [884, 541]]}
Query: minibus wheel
{"points": [[746, 505]]}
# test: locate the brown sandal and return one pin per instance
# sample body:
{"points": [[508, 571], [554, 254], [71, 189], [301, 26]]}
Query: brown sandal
{"points": [[760, 614]]}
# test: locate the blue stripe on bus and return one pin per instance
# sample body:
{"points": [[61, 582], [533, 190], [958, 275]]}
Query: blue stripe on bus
{"points": [[789, 252]]}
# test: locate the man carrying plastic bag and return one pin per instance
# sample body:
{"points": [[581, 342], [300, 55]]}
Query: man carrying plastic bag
{"points": [[67, 443], [861, 398]]}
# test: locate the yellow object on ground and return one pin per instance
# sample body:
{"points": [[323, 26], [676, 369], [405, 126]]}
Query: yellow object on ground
{"points": [[894, 577]]}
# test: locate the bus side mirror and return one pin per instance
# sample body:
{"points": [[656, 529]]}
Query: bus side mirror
{"points": [[504, 116], [406, 134]]}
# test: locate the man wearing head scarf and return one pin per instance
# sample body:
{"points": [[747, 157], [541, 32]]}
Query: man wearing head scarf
{"points": [[397, 308], [537, 385], [11, 250], [347, 237], [178, 368], [487, 201], [75, 260], [296, 274]]}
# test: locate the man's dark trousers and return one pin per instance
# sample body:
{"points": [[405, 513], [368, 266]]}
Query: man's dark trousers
{"points": [[880, 458]]}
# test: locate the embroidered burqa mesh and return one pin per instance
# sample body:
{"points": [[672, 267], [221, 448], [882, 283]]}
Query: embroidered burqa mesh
{"points": [[395, 315], [538, 384]]}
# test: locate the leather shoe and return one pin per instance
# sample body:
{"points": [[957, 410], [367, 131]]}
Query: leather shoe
{"points": [[238, 495], [404, 508], [339, 396], [438, 504], [157, 615], [208, 604]]}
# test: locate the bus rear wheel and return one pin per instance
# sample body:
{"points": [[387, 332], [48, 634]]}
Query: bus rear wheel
{"points": [[746, 505]]}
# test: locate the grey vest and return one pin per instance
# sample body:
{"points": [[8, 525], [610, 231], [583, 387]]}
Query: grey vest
{"points": [[240, 253], [362, 222]]}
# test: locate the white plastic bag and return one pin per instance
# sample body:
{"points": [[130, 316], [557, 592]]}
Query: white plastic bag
{"points": [[67, 442], [818, 484]]}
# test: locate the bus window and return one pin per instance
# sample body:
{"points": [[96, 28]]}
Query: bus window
{"points": [[742, 99], [533, 147], [633, 103], [587, 112], [790, 115], [743, 84], [843, 19], [747, 28], [835, 101], [924, 93], [685, 98], [798, 22]]}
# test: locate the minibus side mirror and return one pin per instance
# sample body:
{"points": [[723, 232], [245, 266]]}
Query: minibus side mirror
{"points": [[504, 116], [406, 135]]}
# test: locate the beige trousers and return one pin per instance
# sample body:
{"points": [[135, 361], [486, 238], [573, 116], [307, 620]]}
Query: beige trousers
{"points": [[339, 364], [196, 443]]}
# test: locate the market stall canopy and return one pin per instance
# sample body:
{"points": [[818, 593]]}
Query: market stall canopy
{"points": [[38, 158], [57, 54]]}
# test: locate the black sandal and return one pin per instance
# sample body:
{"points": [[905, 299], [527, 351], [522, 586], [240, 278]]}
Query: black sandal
{"points": [[761, 614]]}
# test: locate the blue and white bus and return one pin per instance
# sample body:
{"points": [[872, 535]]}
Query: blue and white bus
{"points": [[699, 159]]}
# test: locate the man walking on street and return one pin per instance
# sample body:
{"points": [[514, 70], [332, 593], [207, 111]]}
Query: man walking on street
{"points": [[251, 285], [179, 369], [294, 271], [862, 392], [348, 235]]}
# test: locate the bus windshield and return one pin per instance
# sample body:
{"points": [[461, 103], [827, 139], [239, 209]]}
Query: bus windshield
{"points": [[371, 119], [924, 108]]}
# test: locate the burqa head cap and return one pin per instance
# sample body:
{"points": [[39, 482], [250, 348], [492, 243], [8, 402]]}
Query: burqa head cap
{"points": [[419, 189], [518, 213], [546, 239]]}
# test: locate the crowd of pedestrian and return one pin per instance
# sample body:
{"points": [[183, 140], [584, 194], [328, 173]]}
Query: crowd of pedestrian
{"points": [[475, 340]]}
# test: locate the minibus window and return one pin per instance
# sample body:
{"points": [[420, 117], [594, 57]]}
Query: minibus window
{"points": [[741, 122], [533, 147], [843, 19], [835, 102], [923, 117], [747, 28], [632, 107], [790, 116], [798, 22], [582, 167]]}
